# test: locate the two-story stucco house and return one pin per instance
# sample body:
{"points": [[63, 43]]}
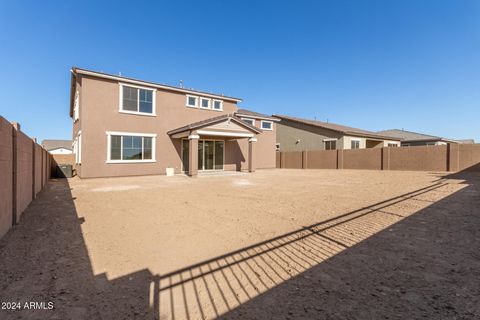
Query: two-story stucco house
{"points": [[124, 126]]}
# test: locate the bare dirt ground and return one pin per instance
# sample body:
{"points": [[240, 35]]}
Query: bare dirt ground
{"points": [[279, 244]]}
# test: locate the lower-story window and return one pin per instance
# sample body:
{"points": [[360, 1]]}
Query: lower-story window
{"points": [[355, 144], [130, 147], [330, 144]]}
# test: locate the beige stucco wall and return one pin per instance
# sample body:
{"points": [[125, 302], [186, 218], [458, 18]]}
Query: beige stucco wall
{"points": [[99, 112], [264, 149], [347, 142], [294, 136]]}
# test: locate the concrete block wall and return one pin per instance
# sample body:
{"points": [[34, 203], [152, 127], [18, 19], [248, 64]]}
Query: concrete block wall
{"points": [[23, 173], [452, 157], [6, 176]]}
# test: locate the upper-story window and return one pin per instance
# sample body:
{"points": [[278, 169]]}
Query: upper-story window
{"points": [[217, 104], [249, 121], [203, 103], [192, 101], [266, 125], [137, 100]]}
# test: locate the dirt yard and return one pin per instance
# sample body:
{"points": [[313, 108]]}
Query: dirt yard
{"points": [[279, 244]]}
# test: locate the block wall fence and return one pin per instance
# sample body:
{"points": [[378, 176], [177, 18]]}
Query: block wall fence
{"points": [[25, 168], [451, 157]]}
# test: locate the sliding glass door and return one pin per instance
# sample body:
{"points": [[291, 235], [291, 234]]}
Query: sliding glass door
{"points": [[210, 154]]}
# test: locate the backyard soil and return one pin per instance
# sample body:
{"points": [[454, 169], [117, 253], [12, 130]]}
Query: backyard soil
{"points": [[276, 244]]}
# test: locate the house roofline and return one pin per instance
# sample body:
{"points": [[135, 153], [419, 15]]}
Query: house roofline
{"points": [[238, 114], [76, 70], [344, 132]]}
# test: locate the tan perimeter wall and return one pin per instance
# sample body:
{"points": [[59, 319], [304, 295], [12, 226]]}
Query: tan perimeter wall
{"points": [[24, 171], [454, 157], [6, 175], [370, 159], [468, 159], [421, 158]]}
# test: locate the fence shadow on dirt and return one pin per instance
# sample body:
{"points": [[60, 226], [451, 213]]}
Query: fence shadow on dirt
{"points": [[425, 266], [306, 272]]}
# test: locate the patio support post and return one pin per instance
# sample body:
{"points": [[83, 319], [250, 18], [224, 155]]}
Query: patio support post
{"points": [[193, 154], [251, 164]]}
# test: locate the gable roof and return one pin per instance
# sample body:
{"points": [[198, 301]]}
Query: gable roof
{"points": [[337, 127], [210, 121], [57, 144], [405, 135], [253, 114]]}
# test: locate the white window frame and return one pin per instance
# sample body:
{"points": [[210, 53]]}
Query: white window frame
{"points": [[356, 140], [77, 148], [213, 104], [266, 121], [76, 106], [249, 119], [209, 103], [120, 104], [330, 140], [197, 99], [135, 134]]}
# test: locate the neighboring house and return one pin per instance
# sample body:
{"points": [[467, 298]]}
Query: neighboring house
{"points": [[296, 134], [58, 146], [123, 126], [409, 138]]}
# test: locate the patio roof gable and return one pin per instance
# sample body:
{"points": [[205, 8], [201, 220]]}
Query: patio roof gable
{"points": [[226, 125]]}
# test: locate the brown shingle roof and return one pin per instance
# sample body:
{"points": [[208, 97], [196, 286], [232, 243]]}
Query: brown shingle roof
{"points": [[407, 135], [245, 112], [410, 136], [336, 127]]}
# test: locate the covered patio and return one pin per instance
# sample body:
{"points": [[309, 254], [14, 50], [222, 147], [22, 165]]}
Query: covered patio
{"points": [[203, 143]]}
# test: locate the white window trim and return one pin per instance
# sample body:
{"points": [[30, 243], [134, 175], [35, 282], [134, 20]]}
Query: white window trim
{"points": [[265, 121], [221, 104], [79, 147], [209, 103], [76, 107], [197, 99], [330, 140], [253, 120], [120, 103], [135, 134], [355, 140]]}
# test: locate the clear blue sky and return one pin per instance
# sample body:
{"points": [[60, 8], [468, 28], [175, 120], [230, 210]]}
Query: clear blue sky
{"points": [[369, 64]]}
